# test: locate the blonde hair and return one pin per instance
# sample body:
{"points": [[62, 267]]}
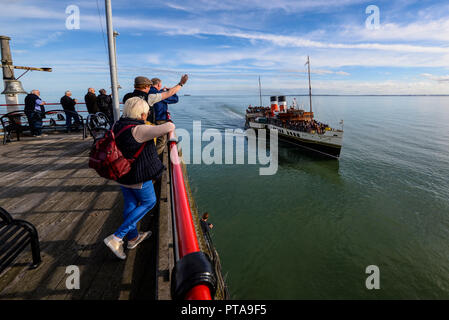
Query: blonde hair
{"points": [[134, 107]]}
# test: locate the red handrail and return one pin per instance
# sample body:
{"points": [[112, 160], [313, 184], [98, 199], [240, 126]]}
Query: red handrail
{"points": [[185, 229], [47, 104]]}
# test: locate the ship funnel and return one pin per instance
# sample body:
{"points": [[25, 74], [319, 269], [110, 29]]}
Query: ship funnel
{"points": [[274, 104], [13, 87], [282, 103]]}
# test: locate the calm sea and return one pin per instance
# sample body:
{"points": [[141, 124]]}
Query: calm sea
{"points": [[311, 230]]}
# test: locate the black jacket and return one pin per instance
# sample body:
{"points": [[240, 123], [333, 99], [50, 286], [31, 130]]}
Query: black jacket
{"points": [[104, 103], [136, 93], [91, 102], [68, 103], [30, 104]]}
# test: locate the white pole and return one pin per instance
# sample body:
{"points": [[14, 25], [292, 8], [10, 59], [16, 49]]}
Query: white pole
{"points": [[112, 61]]}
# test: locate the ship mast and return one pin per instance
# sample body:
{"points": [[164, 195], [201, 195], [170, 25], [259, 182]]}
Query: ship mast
{"points": [[310, 86]]}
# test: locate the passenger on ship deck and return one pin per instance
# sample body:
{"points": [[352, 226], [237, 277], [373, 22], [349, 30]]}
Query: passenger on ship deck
{"points": [[160, 110], [91, 101], [137, 185], [68, 104]]}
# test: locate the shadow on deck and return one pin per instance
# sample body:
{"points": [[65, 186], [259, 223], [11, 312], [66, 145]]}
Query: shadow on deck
{"points": [[47, 182]]}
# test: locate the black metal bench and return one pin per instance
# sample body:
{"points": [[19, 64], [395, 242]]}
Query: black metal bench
{"points": [[98, 124], [56, 120], [17, 122], [14, 122], [15, 236]]}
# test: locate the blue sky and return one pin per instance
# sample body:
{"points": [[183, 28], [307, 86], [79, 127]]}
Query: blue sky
{"points": [[224, 45]]}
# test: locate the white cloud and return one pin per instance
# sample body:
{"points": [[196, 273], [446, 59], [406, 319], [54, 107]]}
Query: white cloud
{"points": [[436, 78], [50, 38]]}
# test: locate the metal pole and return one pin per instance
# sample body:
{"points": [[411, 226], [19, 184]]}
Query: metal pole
{"points": [[116, 34], [260, 93], [112, 61]]}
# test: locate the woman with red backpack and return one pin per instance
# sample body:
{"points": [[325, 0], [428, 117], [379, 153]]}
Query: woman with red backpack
{"points": [[134, 137]]}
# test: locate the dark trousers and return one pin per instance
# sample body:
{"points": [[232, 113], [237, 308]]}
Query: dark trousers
{"points": [[161, 141], [35, 122], [68, 119]]}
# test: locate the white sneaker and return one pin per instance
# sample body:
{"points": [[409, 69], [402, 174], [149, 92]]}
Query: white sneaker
{"points": [[116, 246], [142, 236]]}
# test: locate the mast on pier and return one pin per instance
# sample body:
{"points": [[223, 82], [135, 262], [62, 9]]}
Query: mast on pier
{"points": [[12, 86], [112, 60]]}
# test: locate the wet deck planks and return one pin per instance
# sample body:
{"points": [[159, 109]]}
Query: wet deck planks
{"points": [[47, 182]]}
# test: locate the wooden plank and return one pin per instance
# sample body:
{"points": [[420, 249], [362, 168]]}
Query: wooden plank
{"points": [[47, 182], [165, 238]]}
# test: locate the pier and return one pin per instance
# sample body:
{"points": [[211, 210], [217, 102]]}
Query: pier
{"points": [[46, 181]]}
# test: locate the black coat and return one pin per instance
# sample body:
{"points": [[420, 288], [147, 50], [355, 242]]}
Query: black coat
{"points": [[68, 103], [91, 102], [30, 104], [104, 103]]}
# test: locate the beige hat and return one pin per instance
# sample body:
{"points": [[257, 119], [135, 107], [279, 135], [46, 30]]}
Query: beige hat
{"points": [[142, 81]]}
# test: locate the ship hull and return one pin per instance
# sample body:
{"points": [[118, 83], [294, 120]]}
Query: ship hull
{"points": [[327, 145], [317, 148]]}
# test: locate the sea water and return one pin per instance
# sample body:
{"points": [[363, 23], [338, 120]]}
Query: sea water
{"points": [[311, 230]]}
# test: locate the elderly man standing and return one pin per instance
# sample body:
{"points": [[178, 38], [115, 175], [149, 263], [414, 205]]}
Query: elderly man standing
{"points": [[160, 111], [35, 111], [68, 104], [91, 101], [142, 87], [104, 103]]}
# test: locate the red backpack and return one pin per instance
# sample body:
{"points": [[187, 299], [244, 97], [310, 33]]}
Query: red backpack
{"points": [[106, 158]]}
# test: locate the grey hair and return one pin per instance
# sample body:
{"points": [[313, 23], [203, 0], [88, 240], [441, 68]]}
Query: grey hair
{"points": [[156, 81], [134, 107], [68, 91]]}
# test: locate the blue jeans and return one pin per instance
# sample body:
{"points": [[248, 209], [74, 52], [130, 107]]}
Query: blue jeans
{"points": [[138, 202], [35, 122], [68, 120]]}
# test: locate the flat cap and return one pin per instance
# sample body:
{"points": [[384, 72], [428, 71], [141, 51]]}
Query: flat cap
{"points": [[142, 81]]}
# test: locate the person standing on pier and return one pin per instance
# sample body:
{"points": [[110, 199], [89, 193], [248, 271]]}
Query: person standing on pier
{"points": [[68, 104], [142, 87], [91, 101], [160, 110], [35, 111], [132, 135], [104, 103]]}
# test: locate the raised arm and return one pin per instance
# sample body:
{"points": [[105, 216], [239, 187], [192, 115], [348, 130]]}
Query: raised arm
{"points": [[176, 88], [145, 132]]}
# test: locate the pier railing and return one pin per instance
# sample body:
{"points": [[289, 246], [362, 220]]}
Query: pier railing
{"points": [[186, 241], [47, 104]]}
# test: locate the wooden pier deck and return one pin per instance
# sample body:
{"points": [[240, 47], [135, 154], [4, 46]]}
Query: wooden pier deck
{"points": [[47, 182]]}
